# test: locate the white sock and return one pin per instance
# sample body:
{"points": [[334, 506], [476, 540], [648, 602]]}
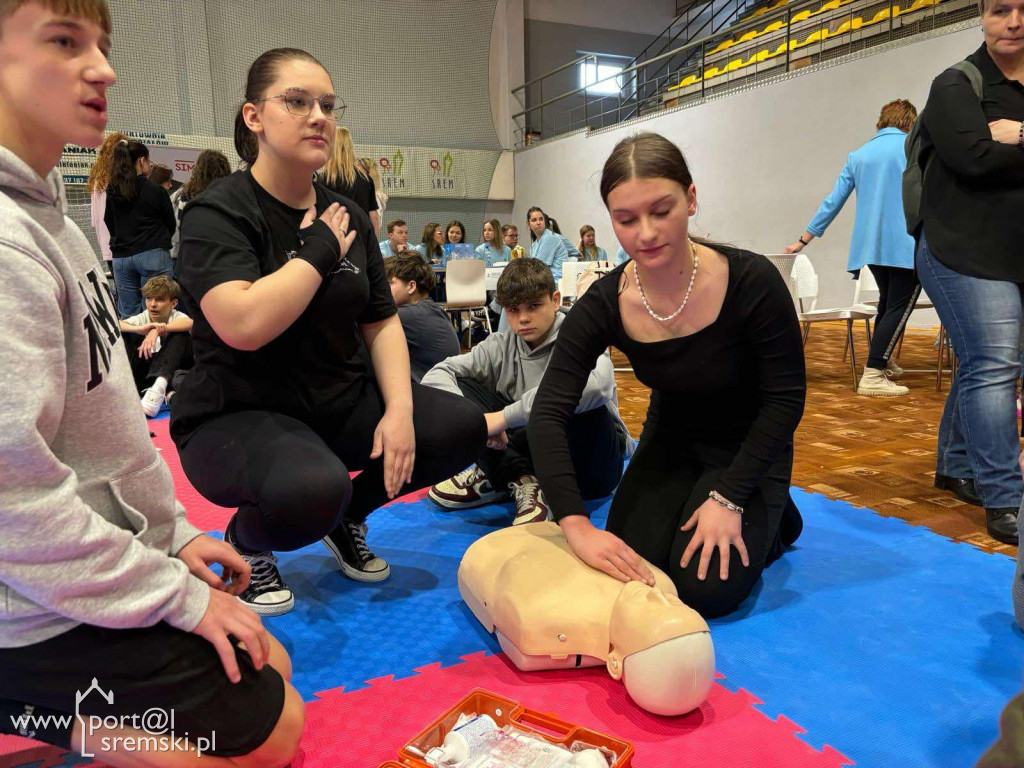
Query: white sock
{"points": [[160, 385]]}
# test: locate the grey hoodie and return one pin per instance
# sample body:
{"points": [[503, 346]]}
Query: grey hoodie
{"points": [[88, 517], [506, 364]]}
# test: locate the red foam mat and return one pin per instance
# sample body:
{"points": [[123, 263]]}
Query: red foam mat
{"points": [[364, 728], [367, 727]]}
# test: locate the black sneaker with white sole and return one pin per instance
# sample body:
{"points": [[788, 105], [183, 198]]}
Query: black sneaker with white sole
{"points": [[267, 594], [347, 543]]}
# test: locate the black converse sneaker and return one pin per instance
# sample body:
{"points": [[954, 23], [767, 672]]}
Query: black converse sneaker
{"points": [[266, 594], [347, 543]]}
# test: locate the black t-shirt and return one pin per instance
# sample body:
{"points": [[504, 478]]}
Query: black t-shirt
{"points": [[732, 393], [144, 223], [316, 369], [361, 191], [973, 191]]}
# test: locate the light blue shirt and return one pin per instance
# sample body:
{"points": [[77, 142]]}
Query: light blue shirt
{"points": [[570, 248], [422, 251], [880, 236], [385, 249], [621, 257], [550, 249], [602, 255], [488, 254]]}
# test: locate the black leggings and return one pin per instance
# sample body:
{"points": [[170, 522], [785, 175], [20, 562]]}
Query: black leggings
{"points": [[663, 486], [897, 289], [291, 482]]}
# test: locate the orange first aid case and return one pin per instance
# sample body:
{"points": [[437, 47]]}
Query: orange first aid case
{"points": [[508, 712]]}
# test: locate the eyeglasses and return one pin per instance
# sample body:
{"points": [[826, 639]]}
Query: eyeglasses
{"points": [[300, 102]]}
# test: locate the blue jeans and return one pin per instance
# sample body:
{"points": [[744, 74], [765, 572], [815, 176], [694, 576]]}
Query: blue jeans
{"points": [[132, 272], [978, 433]]}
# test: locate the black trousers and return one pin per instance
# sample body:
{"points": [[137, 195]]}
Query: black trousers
{"points": [[896, 292], [666, 481], [290, 480], [175, 353], [595, 445]]}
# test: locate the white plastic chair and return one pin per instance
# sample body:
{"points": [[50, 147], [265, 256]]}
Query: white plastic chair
{"points": [[804, 281], [467, 291]]}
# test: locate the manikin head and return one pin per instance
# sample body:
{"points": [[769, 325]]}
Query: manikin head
{"points": [[661, 649]]}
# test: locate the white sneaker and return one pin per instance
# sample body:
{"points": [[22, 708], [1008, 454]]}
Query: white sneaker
{"points": [[530, 504], [470, 488], [874, 384], [152, 401]]}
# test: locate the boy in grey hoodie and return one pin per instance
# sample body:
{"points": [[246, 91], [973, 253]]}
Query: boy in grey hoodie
{"points": [[103, 583], [501, 375]]}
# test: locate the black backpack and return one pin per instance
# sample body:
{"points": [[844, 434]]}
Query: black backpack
{"points": [[919, 155]]}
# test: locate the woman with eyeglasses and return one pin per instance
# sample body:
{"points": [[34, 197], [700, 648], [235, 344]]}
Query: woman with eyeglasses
{"points": [[345, 174], [285, 283]]}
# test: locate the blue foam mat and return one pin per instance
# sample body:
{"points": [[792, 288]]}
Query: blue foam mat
{"points": [[893, 645]]}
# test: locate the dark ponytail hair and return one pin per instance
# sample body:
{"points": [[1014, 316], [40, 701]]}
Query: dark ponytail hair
{"points": [[122, 167], [261, 75], [647, 156]]}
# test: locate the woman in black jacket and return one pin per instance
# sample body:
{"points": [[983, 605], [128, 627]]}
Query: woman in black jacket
{"points": [[969, 262], [141, 221]]}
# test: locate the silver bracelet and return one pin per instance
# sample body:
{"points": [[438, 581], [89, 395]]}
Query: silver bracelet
{"points": [[725, 502], [1020, 137]]}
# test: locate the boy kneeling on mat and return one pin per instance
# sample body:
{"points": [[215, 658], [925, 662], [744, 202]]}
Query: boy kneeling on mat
{"points": [[158, 341], [501, 376], [103, 584]]}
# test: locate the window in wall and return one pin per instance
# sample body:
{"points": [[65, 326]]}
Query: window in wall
{"points": [[599, 76]]}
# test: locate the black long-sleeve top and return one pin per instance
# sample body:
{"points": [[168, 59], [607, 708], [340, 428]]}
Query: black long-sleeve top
{"points": [[144, 222], [973, 193], [738, 385]]}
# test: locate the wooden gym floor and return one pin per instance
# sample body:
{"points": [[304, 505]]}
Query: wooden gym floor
{"points": [[873, 452]]}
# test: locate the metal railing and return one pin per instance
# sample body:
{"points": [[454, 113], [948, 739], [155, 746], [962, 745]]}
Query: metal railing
{"points": [[712, 69]]}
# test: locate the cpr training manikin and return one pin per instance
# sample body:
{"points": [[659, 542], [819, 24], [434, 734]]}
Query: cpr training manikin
{"points": [[550, 610]]}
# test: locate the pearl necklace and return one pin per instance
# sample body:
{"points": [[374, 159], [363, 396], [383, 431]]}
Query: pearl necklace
{"points": [[686, 298]]}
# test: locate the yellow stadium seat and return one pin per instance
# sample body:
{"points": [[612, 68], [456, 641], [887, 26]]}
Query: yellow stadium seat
{"points": [[712, 72], [773, 27], [802, 16], [722, 46], [689, 80], [747, 36]]}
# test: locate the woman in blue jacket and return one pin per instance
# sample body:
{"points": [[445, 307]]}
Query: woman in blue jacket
{"points": [[492, 250], [880, 240], [547, 246]]}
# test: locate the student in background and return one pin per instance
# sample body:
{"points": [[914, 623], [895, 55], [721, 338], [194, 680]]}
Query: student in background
{"points": [[428, 329], [546, 245], [589, 250], [501, 376], [99, 177], [398, 239], [158, 342], [373, 172], [492, 249], [621, 257], [345, 175], [162, 176], [210, 166], [430, 247], [141, 221], [455, 232], [510, 237], [101, 573]]}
